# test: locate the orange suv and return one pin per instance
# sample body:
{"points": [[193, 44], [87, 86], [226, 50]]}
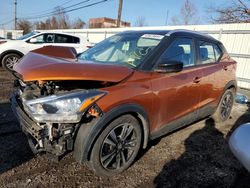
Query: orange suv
{"points": [[111, 100]]}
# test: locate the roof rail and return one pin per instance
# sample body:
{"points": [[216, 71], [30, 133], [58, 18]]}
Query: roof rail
{"points": [[188, 31]]}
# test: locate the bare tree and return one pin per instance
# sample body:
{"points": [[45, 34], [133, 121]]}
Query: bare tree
{"points": [[40, 25], [237, 12], [24, 25], [140, 22], [175, 20], [188, 14], [60, 20], [78, 24]]}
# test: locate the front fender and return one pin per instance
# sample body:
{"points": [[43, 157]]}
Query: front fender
{"points": [[88, 133]]}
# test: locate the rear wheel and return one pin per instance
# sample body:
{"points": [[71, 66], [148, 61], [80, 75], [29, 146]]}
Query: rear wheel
{"points": [[224, 108], [117, 146], [9, 60]]}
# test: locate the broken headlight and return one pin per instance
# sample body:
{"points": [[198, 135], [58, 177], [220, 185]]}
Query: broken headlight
{"points": [[66, 108]]}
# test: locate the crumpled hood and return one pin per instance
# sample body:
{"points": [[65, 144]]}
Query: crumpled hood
{"points": [[34, 66]]}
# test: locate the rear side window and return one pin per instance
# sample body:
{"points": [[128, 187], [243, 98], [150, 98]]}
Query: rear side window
{"points": [[60, 38], [209, 52], [180, 50]]}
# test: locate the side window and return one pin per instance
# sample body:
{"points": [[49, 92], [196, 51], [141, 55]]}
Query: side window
{"points": [[49, 38], [209, 53], [44, 38], [60, 38], [39, 39], [180, 50], [76, 40]]}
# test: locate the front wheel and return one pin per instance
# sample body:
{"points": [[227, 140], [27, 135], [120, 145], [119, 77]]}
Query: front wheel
{"points": [[225, 106], [10, 60], [116, 147]]}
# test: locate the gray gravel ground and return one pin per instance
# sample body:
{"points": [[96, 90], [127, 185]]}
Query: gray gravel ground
{"points": [[196, 156]]}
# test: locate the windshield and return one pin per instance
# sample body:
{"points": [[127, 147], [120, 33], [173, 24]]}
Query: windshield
{"points": [[27, 35], [124, 49]]}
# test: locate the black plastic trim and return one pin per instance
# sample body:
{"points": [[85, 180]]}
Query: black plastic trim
{"points": [[183, 121], [8, 52], [88, 133], [26, 123]]}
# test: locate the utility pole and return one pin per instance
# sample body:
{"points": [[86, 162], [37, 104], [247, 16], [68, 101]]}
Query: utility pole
{"points": [[166, 23], [119, 13], [15, 18]]}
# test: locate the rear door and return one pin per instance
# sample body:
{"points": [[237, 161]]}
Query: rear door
{"points": [[68, 41], [178, 94], [209, 61]]}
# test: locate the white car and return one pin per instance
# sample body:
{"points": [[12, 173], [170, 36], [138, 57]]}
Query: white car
{"points": [[12, 50], [239, 144]]}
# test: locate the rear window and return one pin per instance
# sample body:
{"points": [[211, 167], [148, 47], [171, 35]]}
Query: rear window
{"points": [[60, 38]]}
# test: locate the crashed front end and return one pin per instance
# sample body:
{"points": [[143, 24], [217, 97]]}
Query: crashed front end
{"points": [[50, 115], [56, 96]]}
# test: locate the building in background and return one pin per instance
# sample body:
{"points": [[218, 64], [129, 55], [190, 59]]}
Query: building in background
{"points": [[106, 23], [10, 34]]}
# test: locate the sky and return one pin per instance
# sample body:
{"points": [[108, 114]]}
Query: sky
{"points": [[154, 11]]}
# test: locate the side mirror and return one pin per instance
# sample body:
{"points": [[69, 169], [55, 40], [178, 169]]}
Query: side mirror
{"points": [[169, 66], [33, 40]]}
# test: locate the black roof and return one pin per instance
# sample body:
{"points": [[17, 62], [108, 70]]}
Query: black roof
{"points": [[175, 32], [159, 32]]}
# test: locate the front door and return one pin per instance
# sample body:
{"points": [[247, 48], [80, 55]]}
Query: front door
{"points": [[178, 94], [45, 39]]}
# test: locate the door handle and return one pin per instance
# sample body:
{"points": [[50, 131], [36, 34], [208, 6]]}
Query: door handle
{"points": [[197, 79]]}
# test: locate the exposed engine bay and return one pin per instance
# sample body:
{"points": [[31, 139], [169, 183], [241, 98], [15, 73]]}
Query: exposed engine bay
{"points": [[55, 135], [36, 89]]}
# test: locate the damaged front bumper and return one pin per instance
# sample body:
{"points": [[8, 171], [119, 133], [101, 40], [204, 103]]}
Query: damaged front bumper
{"points": [[52, 138]]}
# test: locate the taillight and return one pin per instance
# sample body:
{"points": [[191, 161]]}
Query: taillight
{"points": [[1, 42]]}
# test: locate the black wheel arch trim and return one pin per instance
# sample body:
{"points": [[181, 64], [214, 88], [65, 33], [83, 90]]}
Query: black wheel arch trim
{"points": [[9, 52], [88, 133], [230, 84]]}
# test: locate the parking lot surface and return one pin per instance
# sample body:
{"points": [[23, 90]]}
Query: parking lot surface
{"points": [[195, 156]]}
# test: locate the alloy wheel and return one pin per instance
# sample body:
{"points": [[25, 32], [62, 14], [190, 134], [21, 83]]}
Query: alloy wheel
{"points": [[226, 106], [118, 147], [11, 61]]}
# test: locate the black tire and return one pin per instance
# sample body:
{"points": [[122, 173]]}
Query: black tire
{"points": [[9, 60], [224, 108], [116, 147]]}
